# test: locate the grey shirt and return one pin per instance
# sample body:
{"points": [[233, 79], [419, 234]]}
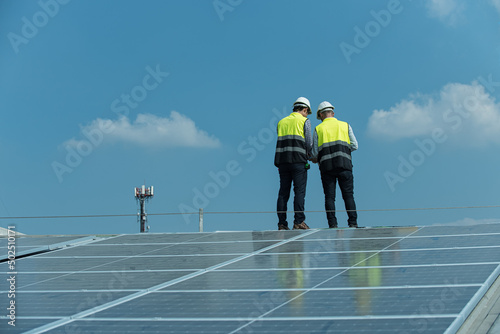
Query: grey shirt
{"points": [[309, 140]]}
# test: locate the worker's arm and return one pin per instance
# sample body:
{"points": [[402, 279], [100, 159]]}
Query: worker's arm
{"points": [[352, 139], [307, 134], [314, 152]]}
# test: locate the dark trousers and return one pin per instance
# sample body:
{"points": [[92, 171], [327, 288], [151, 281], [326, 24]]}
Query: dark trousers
{"points": [[296, 173], [346, 183]]}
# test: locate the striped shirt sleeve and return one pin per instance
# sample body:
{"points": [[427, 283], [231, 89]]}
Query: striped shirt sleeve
{"points": [[352, 138], [307, 134]]}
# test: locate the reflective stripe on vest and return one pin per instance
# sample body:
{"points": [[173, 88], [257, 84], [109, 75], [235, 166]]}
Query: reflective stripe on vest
{"points": [[334, 150], [291, 144]]}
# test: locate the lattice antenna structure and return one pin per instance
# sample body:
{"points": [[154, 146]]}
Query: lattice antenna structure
{"points": [[142, 195]]}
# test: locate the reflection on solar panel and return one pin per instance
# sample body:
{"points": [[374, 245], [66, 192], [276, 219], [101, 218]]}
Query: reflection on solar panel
{"points": [[387, 280]]}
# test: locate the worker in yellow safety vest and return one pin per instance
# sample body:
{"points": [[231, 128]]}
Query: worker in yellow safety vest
{"points": [[293, 149], [333, 142]]}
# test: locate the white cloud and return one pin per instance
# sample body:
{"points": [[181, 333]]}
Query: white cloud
{"points": [[496, 3], [405, 119], [448, 11], [467, 114], [147, 130]]}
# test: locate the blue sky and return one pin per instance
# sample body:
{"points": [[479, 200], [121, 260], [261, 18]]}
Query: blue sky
{"points": [[99, 97]]}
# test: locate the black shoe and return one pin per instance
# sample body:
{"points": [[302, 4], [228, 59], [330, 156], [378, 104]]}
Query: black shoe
{"points": [[333, 226], [282, 227], [355, 225]]}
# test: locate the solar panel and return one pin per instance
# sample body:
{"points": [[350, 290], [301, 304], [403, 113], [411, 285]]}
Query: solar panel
{"points": [[388, 280], [29, 245]]}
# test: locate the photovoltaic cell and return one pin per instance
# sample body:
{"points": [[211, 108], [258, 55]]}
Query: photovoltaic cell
{"points": [[269, 279], [384, 258], [341, 245], [387, 280], [448, 242], [22, 326], [251, 236], [27, 241], [359, 326], [364, 277], [295, 260], [152, 238], [54, 304], [351, 326], [164, 249], [148, 327], [25, 245], [470, 230], [372, 302], [379, 233], [93, 281], [71, 264]]}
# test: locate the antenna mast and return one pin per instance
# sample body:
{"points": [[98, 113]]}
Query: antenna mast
{"points": [[142, 195]]}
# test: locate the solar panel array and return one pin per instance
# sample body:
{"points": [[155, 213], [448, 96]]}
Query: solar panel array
{"points": [[387, 280]]}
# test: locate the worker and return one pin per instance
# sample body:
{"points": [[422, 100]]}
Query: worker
{"points": [[293, 150], [333, 142]]}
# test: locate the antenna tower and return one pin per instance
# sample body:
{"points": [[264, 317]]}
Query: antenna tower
{"points": [[142, 195]]}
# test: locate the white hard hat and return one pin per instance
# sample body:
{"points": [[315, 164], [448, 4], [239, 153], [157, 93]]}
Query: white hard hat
{"points": [[305, 102], [324, 106]]}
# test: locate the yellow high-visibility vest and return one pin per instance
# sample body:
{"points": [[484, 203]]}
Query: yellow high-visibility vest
{"points": [[331, 130], [291, 144], [334, 150]]}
